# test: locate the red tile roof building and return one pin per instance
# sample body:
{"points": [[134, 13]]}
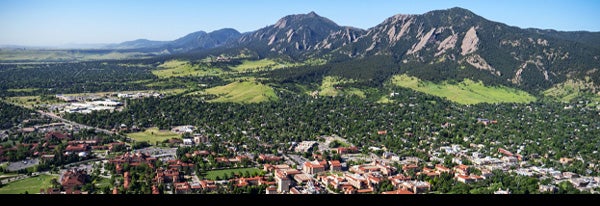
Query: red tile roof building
{"points": [[73, 179], [335, 165], [398, 192], [133, 160], [347, 150], [313, 167]]}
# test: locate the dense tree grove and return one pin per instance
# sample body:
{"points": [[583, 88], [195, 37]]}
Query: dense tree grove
{"points": [[413, 121], [11, 115]]}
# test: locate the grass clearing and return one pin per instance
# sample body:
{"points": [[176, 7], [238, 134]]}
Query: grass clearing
{"points": [[270, 64], [330, 86], [256, 65], [103, 182], [22, 90], [570, 90], [32, 185], [30, 101], [212, 175], [178, 68], [465, 92], [384, 100], [151, 135], [243, 92]]}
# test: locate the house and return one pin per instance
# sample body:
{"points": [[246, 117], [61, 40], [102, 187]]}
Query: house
{"points": [[410, 167], [356, 180], [382, 132], [182, 188], [74, 179], [398, 192], [283, 182], [208, 185], [570, 175], [133, 160], [305, 146], [56, 135], [461, 169], [564, 160], [271, 190], [347, 150], [464, 179], [505, 152], [335, 165], [126, 180], [200, 139], [302, 178], [50, 191], [440, 168], [76, 148], [397, 180], [365, 191], [188, 142], [269, 158], [548, 188], [155, 190], [417, 187], [502, 192], [313, 167]]}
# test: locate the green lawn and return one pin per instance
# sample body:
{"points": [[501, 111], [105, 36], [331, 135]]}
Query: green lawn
{"points": [[243, 92], [151, 135], [178, 68], [212, 175], [103, 183], [32, 185], [465, 92]]}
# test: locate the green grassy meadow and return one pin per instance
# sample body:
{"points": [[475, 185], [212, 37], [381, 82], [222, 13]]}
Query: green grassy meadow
{"points": [[32, 185], [329, 84], [178, 68], [465, 92], [152, 135], [212, 175], [243, 92]]}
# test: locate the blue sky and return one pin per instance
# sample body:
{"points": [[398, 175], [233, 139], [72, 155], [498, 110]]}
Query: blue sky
{"points": [[58, 22]]}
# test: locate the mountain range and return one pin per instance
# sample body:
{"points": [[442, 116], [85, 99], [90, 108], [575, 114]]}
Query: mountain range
{"points": [[437, 46]]}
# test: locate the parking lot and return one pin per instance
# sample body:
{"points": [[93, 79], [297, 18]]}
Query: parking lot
{"points": [[24, 164]]}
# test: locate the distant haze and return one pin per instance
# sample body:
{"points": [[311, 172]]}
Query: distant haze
{"points": [[77, 22]]}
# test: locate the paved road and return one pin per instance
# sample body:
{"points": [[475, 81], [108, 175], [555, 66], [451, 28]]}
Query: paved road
{"points": [[54, 116]]}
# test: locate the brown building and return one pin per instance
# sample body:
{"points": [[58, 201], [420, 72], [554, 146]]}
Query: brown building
{"points": [[74, 179]]}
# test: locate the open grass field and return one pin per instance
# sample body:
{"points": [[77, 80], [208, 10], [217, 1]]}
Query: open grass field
{"points": [[22, 90], [29, 101], [151, 135], [32, 185], [243, 92], [570, 89], [329, 84], [178, 68], [212, 175], [465, 92], [263, 64], [256, 65]]}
